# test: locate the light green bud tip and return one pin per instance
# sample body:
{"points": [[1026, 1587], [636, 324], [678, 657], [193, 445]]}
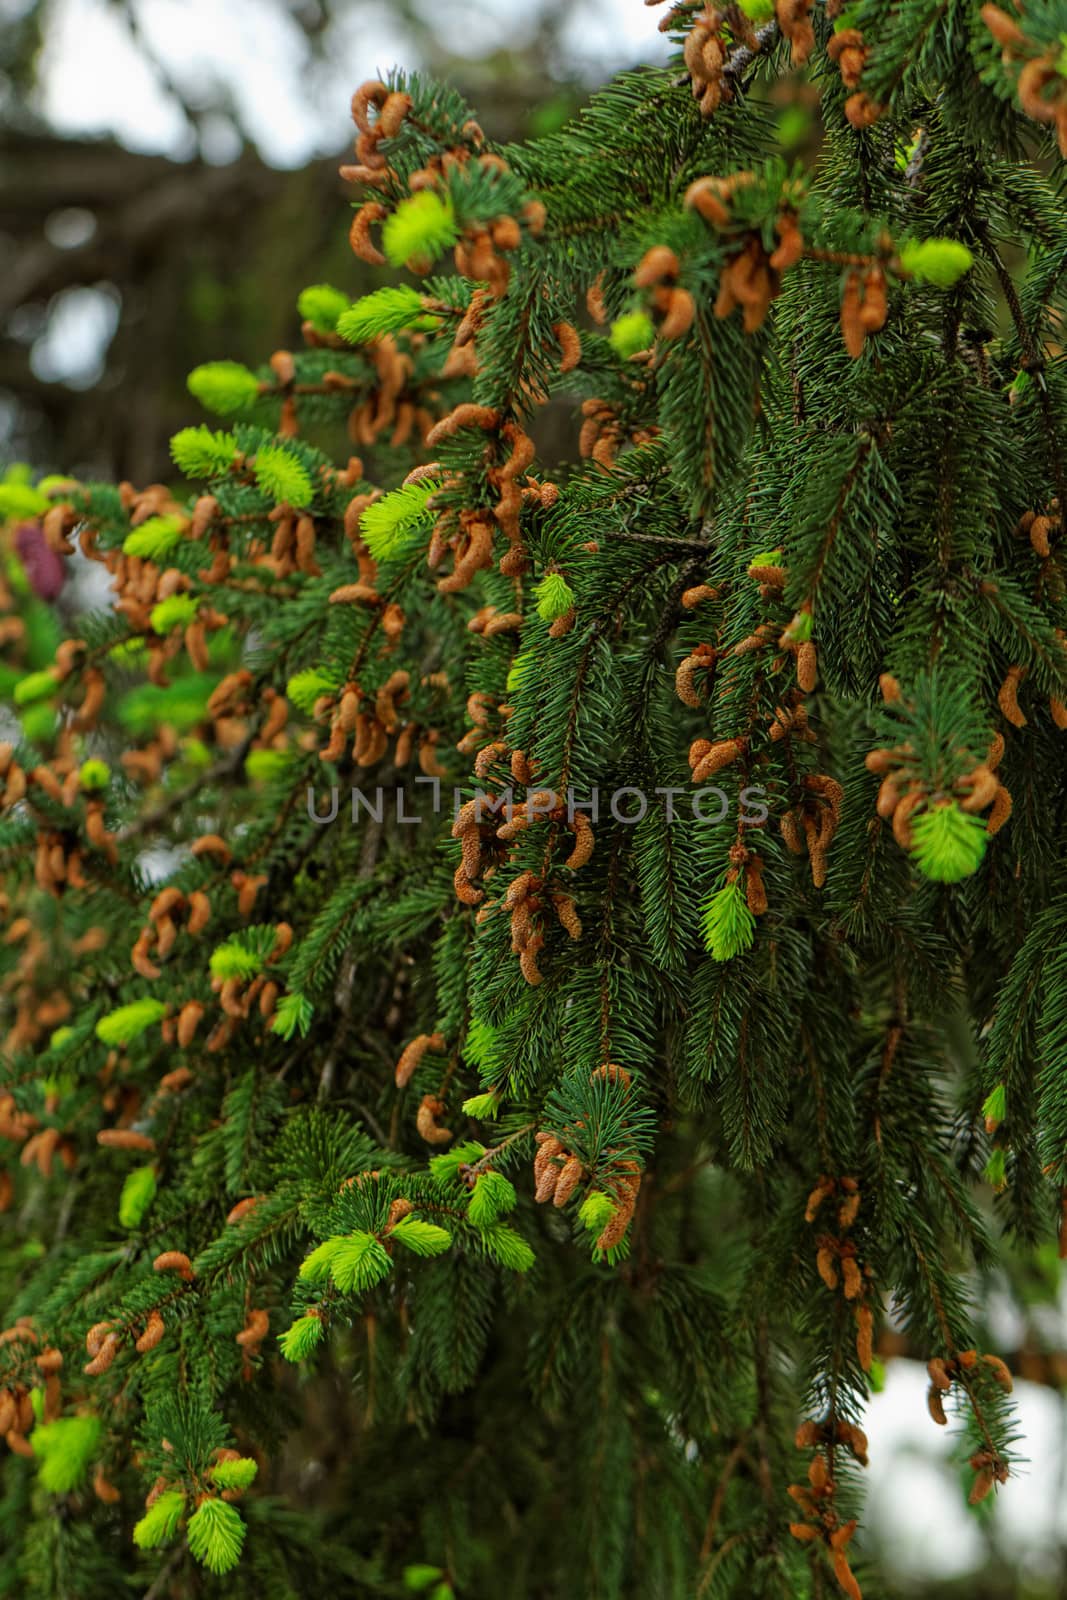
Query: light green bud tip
{"points": [[201, 453], [727, 924], [138, 1192], [995, 1107], [65, 1448], [420, 1575], [282, 476], [224, 387], [94, 776], [948, 844], [35, 686], [177, 611], [299, 1340], [321, 305], [596, 1211], [555, 597], [160, 1521], [482, 1105], [18, 499], [941, 262], [264, 766], [420, 229], [215, 1534], [121, 1027], [387, 310], [631, 333], [996, 1170]]}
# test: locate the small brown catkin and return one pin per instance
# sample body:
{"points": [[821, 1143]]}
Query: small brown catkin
{"points": [[852, 329], [938, 1375], [426, 1123], [807, 666], [124, 1139], [822, 1191], [153, 1333], [568, 1181], [865, 1337], [96, 1336], [413, 1054], [1000, 1371], [755, 891], [104, 1356], [1039, 530], [982, 1484], [174, 1261], [1008, 698], [720, 755]]}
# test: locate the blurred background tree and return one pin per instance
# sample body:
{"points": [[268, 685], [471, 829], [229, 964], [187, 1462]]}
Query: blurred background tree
{"points": [[125, 261], [98, 308]]}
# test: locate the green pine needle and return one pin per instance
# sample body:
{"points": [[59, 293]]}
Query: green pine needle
{"points": [[941, 262], [995, 1106], [34, 687], [421, 1238], [95, 775], [596, 1211], [996, 1170], [630, 333], [177, 611], [948, 844], [154, 539], [129, 653], [203, 453], [224, 387], [385, 311], [483, 1107], [19, 500], [359, 1262], [491, 1198], [322, 305], [420, 1576], [304, 688], [480, 1048], [282, 476], [292, 1016], [555, 597], [138, 1192], [216, 1533], [127, 1023], [299, 1340], [65, 1447], [524, 671], [507, 1247], [395, 524], [160, 1522], [315, 1267], [234, 960], [420, 229], [239, 1474], [268, 766], [446, 1166], [727, 924]]}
